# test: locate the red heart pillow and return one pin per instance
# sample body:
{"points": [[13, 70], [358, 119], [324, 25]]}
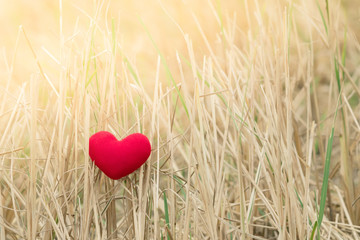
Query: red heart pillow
{"points": [[118, 158]]}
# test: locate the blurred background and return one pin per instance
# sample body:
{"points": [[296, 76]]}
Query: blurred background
{"points": [[40, 20], [166, 21]]}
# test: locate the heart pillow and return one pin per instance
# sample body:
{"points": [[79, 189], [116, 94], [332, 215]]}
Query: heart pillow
{"points": [[118, 159]]}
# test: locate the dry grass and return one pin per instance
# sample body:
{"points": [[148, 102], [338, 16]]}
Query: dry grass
{"points": [[252, 109]]}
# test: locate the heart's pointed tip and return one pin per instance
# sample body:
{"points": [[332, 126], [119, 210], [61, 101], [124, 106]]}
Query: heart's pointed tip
{"points": [[114, 178]]}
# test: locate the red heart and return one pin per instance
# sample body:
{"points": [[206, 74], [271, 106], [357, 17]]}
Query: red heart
{"points": [[118, 158]]}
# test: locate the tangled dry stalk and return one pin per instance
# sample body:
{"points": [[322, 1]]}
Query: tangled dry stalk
{"points": [[252, 108]]}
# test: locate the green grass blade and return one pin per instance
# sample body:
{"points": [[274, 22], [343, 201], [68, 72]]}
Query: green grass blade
{"points": [[322, 17], [230, 223], [337, 74], [181, 184], [299, 199], [313, 231], [132, 70], [327, 10], [166, 214], [219, 13], [325, 184]]}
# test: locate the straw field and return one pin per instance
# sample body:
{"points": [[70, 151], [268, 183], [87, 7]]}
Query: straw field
{"points": [[252, 109]]}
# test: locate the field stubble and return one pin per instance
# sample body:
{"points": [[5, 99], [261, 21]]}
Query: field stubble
{"points": [[252, 109]]}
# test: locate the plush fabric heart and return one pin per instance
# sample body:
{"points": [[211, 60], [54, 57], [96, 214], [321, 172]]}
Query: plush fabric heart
{"points": [[118, 158]]}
